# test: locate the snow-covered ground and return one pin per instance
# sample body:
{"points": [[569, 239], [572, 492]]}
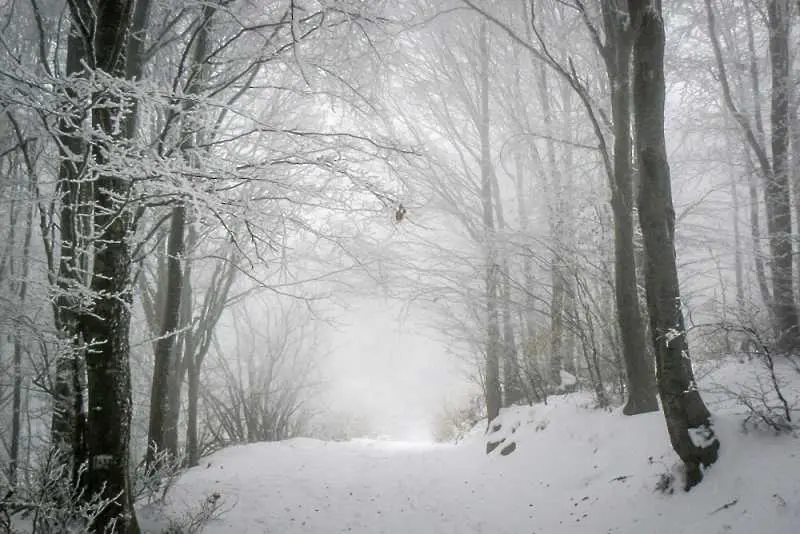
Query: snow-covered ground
{"points": [[575, 469]]}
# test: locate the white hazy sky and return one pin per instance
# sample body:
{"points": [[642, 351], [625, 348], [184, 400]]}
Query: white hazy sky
{"points": [[383, 366]]}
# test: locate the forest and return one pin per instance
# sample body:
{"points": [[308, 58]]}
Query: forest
{"points": [[574, 199]]}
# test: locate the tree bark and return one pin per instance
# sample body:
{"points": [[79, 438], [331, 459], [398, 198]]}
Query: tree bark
{"points": [[640, 379], [777, 193], [794, 177], [165, 345], [106, 325], [16, 400], [193, 393], [687, 418], [67, 427]]}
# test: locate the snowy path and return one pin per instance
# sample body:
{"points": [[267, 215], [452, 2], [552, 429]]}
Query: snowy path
{"points": [[575, 470]]}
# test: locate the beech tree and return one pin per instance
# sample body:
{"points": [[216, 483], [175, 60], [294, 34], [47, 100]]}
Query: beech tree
{"points": [[104, 325], [688, 419]]}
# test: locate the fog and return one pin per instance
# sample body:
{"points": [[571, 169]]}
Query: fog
{"points": [[387, 367]]}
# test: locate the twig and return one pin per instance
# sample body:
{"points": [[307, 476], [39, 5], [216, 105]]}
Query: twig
{"points": [[725, 506]]}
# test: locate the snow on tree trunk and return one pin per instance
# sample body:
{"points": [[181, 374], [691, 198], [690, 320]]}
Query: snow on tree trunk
{"points": [[777, 194], [687, 418], [106, 324]]}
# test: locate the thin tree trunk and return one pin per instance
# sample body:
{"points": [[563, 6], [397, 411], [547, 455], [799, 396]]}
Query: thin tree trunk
{"points": [[755, 236], [16, 401], [492, 376], [527, 263], [167, 378], [738, 251], [165, 345], [555, 221], [567, 232], [512, 390], [687, 418], [527, 313], [192, 445], [760, 140], [173, 413], [183, 354]]}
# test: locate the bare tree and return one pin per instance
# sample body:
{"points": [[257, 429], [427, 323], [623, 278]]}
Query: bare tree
{"points": [[615, 51], [688, 419], [257, 386], [772, 165]]}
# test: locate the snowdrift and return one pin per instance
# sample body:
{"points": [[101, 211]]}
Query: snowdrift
{"points": [[574, 469]]}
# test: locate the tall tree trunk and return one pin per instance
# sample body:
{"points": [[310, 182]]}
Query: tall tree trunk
{"points": [[512, 389], [567, 232], [168, 373], [640, 379], [777, 193], [67, 428], [106, 325], [527, 313], [687, 418], [794, 178], [755, 235], [738, 258], [738, 251], [492, 376], [555, 222], [178, 371], [16, 400], [166, 343]]}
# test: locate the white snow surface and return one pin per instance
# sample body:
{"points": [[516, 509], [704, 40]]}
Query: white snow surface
{"points": [[575, 469]]}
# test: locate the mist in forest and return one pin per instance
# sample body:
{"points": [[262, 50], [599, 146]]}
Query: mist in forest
{"points": [[385, 368], [234, 222]]}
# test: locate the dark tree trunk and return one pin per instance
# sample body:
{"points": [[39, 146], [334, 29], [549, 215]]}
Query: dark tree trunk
{"points": [[687, 418], [16, 415], [640, 379], [777, 194], [16, 400], [193, 393], [164, 368], [67, 429], [174, 390], [106, 325]]}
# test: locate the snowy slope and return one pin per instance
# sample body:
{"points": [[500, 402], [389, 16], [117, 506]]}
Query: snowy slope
{"points": [[575, 469]]}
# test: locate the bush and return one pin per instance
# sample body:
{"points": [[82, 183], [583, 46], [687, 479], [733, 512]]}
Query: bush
{"points": [[198, 517], [49, 500], [152, 483], [454, 423]]}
